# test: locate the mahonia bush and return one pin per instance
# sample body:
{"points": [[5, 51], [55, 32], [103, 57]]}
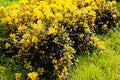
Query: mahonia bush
{"points": [[45, 34]]}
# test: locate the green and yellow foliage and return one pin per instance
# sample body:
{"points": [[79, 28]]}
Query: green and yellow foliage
{"points": [[45, 34]]}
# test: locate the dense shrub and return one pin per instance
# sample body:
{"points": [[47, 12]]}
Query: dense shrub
{"points": [[45, 34], [107, 16], [2, 38], [38, 40]]}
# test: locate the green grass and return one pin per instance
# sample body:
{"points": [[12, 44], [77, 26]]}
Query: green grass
{"points": [[102, 65], [7, 2], [8, 68], [118, 5]]}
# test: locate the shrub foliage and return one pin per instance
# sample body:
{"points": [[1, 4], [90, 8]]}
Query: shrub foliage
{"points": [[45, 34]]}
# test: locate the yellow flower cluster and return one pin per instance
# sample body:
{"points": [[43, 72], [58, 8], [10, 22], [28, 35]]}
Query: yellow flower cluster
{"points": [[7, 45], [51, 30], [33, 75], [40, 71], [100, 45], [18, 76]]}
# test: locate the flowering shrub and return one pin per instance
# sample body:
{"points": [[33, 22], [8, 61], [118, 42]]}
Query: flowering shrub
{"points": [[38, 40], [107, 16], [45, 34]]}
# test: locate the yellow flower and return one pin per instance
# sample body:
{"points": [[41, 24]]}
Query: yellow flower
{"points": [[23, 1], [85, 25], [27, 12], [33, 75], [27, 42], [105, 26], [114, 2], [100, 45], [26, 36], [69, 48], [7, 19], [61, 59], [17, 76], [60, 77], [59, 16], [65, 68], [88, 8], [16, 20], [12, 35], [56, 67], [34, 39], [87, 29], [98, 17], [114, 16], [110, 3], [37, 26], [72, 50], [54, 61], [27, 65], [93, 38], [21, 28], [40, 70], [13, 13], [36, 47], [7, 45], [52, 30], [22, 41], [81, 23], [87, 1], [81, 35], [92, 13], [92, 43], [95, 7]]}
